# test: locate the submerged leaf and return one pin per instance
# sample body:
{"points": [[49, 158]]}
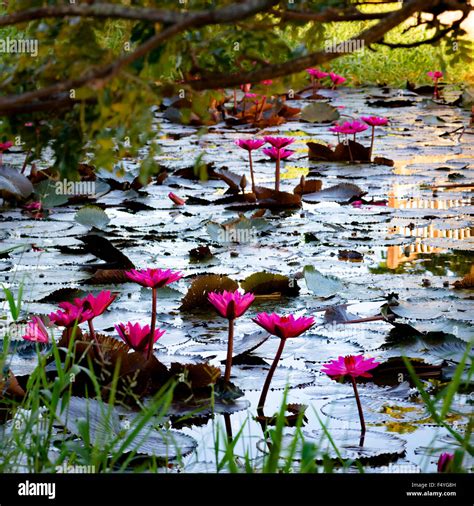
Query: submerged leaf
{"points": [[196, 297], [266, 283]]}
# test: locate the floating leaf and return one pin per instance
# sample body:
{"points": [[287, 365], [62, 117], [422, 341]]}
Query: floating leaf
{"points": [[93, 217], [342, 193], [266, 283], [48, 195], [321, 285], [196, 297], [319, 112], [253, 377], [14, 184]]}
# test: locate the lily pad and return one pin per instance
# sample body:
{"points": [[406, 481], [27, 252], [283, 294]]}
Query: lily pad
{"points": [[253, 377], [319, 112], [92, 217], [321, 285]]}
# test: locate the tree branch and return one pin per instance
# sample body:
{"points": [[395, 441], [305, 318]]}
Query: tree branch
{"points": [[226, 14], [369, 36], [332, 14]]}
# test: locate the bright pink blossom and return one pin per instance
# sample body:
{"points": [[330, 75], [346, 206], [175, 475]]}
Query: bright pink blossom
{"points": [[70, 315], [349, 127], [251, 95], [36, 331], [5, 145], [445, 462], [153, 278], [267, 82], [350, 366], [336, 79], [177, 200], [374, 120], [95, 304], [231, 305], [34, 207], [318, 74], [284, 326], [136, 336], [279, 142], [245, 87], [250, 144], [275, 153], [435, 75]]}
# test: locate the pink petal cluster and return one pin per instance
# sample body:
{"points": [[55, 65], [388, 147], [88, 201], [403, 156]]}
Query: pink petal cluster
{"points": [[153, 278], [350, 365], [98, 304], [349, 127], [318, 74], [231, 305], [435, 75], [279, 142], [5, 145], [275, 153], [136, 336], [336, 78], [36, 331], [250, 144], [251, 95], [284, 326], [245, 87], [177, 200], [374, 120], [444, 462], [34, 207], [70, 315], [267, 82]]}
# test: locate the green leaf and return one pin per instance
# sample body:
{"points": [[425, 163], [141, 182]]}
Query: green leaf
{"points": [[321, 285], [92, 216], [319, 112]]}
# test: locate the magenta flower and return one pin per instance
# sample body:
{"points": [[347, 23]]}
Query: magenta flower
{"points": [[138, 337], [251, 95], [153, 278], [34, 207], [445, 462], [267, 82], [250, 145], [336, 79], [97, 305], [352, 366], [279, 142], [282, 327], [435, 75], [177, 200], [230, 305], [70, 315], [318, 74], [3, 147], [374, 120], [36, 331], [278, 154], [245, 87]]}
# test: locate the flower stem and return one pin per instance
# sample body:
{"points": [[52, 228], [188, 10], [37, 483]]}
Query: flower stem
{"points": [[359, 406], [277, 173], [94, 337], [266, 386], [372, 143], [230, 349], [153, 323], [235, 100], [251, 171]]}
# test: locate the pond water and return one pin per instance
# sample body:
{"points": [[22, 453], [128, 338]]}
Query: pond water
{"points": [[416, 245]]}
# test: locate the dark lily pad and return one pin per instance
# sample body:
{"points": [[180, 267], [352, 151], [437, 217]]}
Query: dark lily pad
{"points": [[340, 193]]}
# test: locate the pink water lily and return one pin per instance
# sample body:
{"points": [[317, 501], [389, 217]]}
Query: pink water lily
{"points": [[279, 142], [374, 121], [267, 82], [435, 75], [137, 337], [353, 367], [250, 145], [3, 147], [445, 462], [278, 154], [316, 75], [36, 331], [96, 304], [177, 200], [283, 327], [230, 305], [336, 79], [154, 279], [70, 315]]}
